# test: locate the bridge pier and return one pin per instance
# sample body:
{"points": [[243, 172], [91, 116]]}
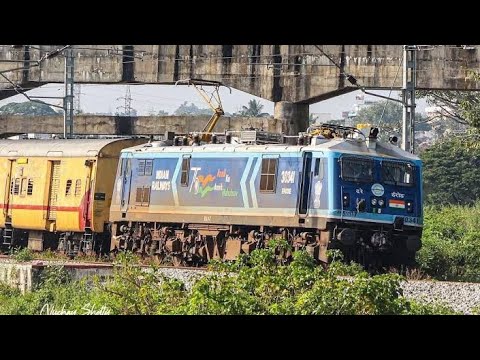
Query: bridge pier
{"points": [[294, 116]]}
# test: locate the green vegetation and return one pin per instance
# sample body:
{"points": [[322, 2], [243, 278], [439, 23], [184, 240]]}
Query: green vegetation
{"points": [[387, 115], [461, 107], [451, 243], [451, 173], [28, 108], [23, 254], [254, 109], [255, 284], [191, 110]]}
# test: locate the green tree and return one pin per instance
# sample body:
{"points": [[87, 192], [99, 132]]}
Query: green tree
{"points": [[191, 110], [28, 108], [387, 116], [460, 107], [254, 109], [451, 171]]}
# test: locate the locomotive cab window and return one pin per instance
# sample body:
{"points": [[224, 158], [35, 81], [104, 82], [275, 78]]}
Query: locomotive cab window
{"points": [[356, 169], [185, 170], [398, 173], [268, 176]]}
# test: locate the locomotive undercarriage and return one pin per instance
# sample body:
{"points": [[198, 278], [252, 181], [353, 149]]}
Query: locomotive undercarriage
{"points": [[196, 244], [68, 243], [376, 245]]}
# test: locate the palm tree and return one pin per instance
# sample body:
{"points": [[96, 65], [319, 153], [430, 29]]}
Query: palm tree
{"points": [[254, 109]]}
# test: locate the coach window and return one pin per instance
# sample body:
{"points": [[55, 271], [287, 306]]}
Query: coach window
{"points": [[23, 187], [267, 178], [16, 186], [68, 188], [30, 187], [185, 171], [78, 187]]}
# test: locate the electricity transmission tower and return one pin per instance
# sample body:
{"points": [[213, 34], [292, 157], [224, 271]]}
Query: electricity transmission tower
{"points": [[127, 107]]}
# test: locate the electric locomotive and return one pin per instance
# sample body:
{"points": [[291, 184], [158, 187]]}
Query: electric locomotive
{"points": [[333, 188]]}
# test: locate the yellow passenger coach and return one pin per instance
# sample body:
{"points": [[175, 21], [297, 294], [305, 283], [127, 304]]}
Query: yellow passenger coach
{"points": [[57, 193]]}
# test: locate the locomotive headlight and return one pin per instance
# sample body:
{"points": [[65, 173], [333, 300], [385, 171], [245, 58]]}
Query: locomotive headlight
{"points": [[410, 206], [346, 200], [381, 202], [374, 201]]}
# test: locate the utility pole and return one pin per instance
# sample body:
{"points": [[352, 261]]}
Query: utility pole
{"points": [[408, 98], [76, 98], [68, 99]]}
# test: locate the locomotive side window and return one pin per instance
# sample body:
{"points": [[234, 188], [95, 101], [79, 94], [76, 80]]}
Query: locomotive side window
{"points": [[398, 173], [185, 171], [318, 170], [141, 167], [68, 188], [269, 172], [148, 167]]}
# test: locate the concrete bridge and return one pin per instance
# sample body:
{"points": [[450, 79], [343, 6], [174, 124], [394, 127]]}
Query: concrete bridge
{"points": [[292, 76], [129, 125]]}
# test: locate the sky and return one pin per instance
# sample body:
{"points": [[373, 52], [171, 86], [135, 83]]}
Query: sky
{"points": [[152, 98]]}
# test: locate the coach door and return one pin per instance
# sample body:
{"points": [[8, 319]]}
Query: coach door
{"points": [[126, 171], [89, 183], [305, 183], [54, 185], [9, 190]]}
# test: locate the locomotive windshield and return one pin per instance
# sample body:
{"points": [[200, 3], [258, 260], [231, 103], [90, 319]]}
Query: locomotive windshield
{"points": [[357, 169], [398, 173]]}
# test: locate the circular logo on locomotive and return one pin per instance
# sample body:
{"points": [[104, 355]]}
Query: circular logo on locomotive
{"points": [[377, 189]]}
